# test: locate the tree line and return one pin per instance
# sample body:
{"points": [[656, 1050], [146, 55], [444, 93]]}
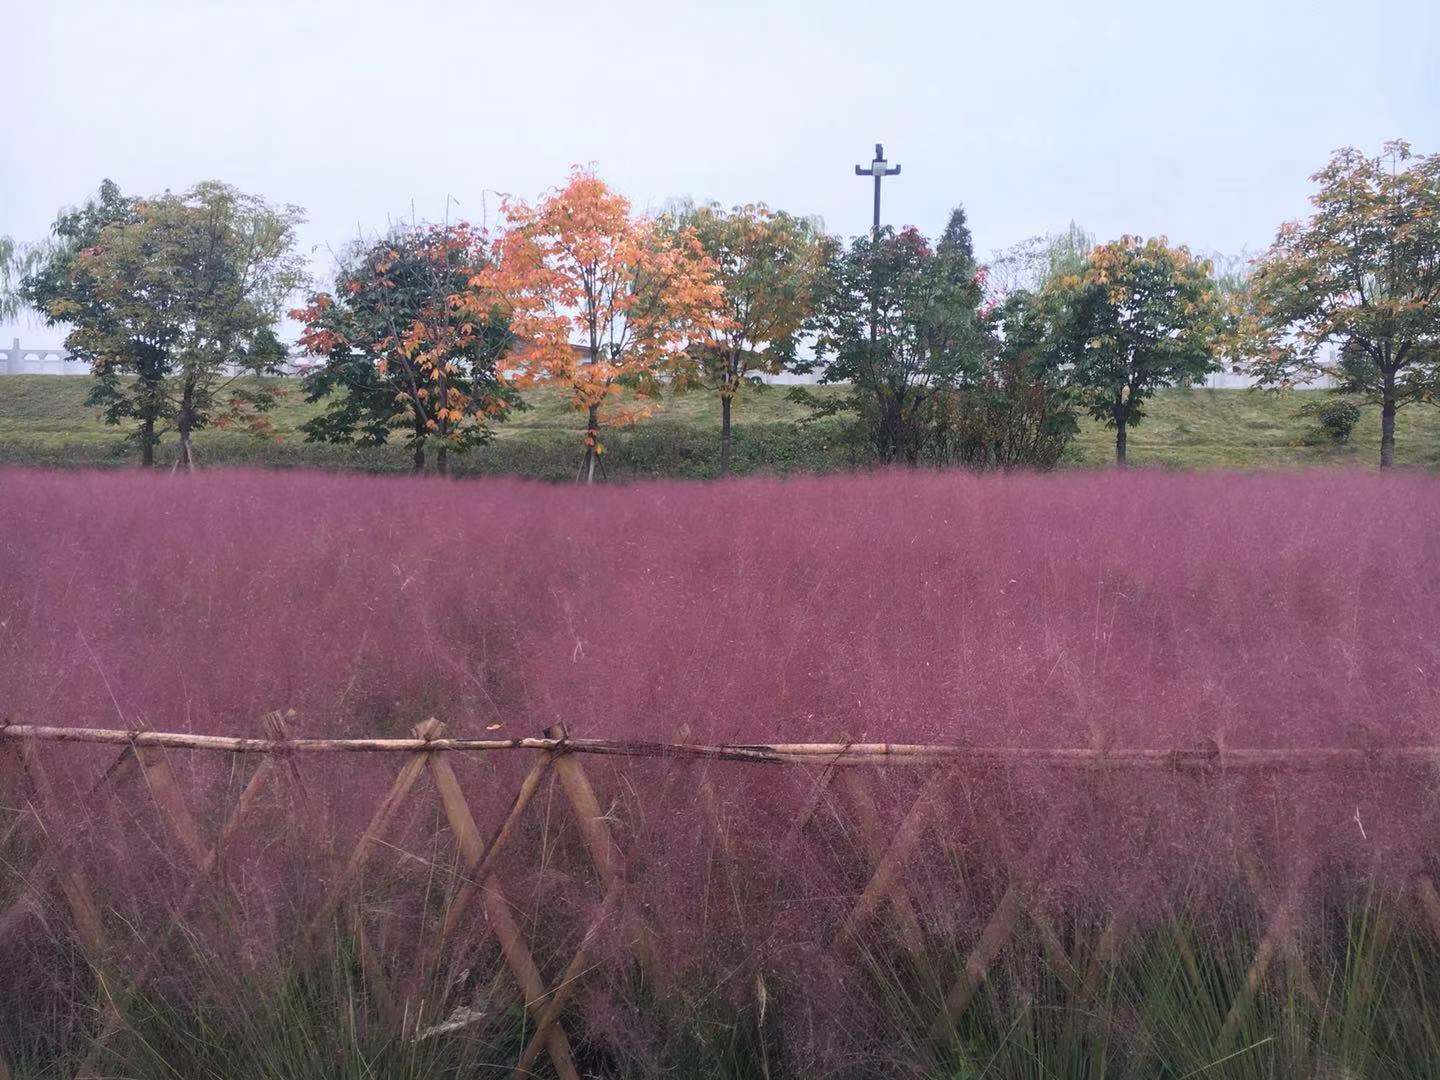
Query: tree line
{"points": [[431, 332]]}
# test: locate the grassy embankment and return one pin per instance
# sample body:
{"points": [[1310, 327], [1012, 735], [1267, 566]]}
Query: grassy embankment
{"points": [[43, 421]]}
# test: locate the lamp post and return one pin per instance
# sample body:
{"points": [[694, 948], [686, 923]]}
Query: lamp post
{"points": [[879, 170]]}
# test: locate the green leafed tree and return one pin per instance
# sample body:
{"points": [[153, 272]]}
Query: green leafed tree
{"points": [[899, 322], [1138, 317], [409, 342], [62, 291], [1017, 409], [173, 301], [1360, 276], [767, 263]]}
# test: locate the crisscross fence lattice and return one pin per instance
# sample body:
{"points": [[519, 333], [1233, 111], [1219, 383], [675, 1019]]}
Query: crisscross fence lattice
{"points": [[841, 779]]}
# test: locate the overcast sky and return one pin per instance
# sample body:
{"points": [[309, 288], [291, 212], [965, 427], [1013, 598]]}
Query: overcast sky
{"points": [[1199, 121]]}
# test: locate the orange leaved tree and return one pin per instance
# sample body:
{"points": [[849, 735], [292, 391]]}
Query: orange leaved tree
{"points": [[599, 300]]}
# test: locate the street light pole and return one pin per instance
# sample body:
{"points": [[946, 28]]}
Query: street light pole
{"points": [[879, 170]]}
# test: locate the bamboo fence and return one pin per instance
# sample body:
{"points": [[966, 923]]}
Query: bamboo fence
{"points": [[839, 773]]}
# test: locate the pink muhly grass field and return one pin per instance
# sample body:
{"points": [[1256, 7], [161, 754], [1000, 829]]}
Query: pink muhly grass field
{"points": [[1140, 610], [1149, 609]]}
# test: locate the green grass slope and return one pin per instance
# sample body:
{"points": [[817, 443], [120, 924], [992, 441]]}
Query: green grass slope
{"points": [[44, 421]]}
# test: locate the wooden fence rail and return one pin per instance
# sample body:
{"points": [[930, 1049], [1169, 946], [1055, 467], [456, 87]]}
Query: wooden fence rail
{"points": [[830, 753], [556, 756]]}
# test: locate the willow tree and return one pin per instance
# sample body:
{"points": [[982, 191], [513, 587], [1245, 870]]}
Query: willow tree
{"points": [[15, 261], [1360, 276]]}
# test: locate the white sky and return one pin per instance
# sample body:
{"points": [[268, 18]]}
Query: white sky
{"points": [[1197, 121]]}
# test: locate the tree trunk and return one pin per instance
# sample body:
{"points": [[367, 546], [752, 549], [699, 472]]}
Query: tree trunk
{"points": [[147, 443], [442, 451], [417, 464], [1387, 422], [913, 430], [1122, 417], [186, 460], [888, 443], [147, 402], [184, 426], [725, 401], [592, 445]]}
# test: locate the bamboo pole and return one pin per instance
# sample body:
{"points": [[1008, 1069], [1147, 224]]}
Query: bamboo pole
{"points": [[84, 911], [819, 792], [167, 793], [977, 965], [73, 885], [165, 789], [595, 830], [709, 801], [1270, 898], [919, 754], [1012, 905], [548, 1033], [117, 772], [1109, 944], [1053, 946], [467, 840]]}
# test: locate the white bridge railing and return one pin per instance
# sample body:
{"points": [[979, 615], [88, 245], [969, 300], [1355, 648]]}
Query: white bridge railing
{"points": [[35, 361]]}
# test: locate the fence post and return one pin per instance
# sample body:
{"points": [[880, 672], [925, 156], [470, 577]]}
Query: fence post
{"points": [[873, 840], [1280, 894], [384, 813], [595, 828], [883, 880], [522, 965], [582, 798], [1429, 901], [72, 883], [480, 871]]}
